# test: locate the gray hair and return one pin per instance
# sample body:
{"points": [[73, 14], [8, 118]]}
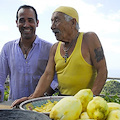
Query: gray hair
{"points": [[68, 18]]}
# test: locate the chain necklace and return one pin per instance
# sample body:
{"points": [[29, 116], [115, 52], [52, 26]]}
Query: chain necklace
{"points": [[25, 50], [66, 50]]}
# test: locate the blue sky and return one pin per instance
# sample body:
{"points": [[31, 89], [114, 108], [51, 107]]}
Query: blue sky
{"points": [[99, 16]]}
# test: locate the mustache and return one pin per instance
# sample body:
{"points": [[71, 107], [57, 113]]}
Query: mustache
{"points": [[56, 31], [26, 28]]}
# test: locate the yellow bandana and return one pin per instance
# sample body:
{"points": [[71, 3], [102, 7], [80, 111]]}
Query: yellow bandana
{"points": [[69, 11]]}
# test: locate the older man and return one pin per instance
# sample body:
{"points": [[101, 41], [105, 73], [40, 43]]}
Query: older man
{"points": [[78, 57]]}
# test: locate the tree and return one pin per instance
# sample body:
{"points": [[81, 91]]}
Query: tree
{"points": [[111, 87]]}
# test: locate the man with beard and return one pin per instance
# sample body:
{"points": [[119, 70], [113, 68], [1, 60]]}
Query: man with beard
{"points": [[24, 59], [78, 58]]}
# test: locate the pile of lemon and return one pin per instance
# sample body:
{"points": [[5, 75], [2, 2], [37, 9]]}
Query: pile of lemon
{"points": [[83, 106], [47, 107]]}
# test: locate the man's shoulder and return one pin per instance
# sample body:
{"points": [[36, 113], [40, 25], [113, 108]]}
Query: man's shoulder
{"points": [[90, 39], [42, 41], [89, 34], [7, 47], [10, 43]]}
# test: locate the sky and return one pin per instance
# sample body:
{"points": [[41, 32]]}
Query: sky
{"points": [[99, 16]]}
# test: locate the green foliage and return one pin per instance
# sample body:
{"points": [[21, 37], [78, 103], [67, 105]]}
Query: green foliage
{"points": [[6, 93], [109, 98], [111, 87], [111, 91], [56, 94]]}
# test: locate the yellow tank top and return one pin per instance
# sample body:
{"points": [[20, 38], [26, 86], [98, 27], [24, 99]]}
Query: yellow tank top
{"points": [[76, 73]]}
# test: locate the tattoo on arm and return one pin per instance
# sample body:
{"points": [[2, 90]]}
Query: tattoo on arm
{"points": [[99, 55]]}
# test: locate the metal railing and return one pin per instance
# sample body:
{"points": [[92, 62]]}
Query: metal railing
{"points": [[112, 78]]}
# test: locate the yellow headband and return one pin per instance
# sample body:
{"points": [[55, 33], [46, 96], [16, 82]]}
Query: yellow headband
{"points": [[69, 11]]}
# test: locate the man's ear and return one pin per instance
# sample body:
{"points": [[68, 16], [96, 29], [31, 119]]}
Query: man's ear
{"points": [[74, 21], [17, 23], [37, 23]]}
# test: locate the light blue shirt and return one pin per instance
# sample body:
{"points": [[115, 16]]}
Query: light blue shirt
{"points": [[24, 74]]}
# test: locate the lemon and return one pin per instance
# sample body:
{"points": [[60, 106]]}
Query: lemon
{"points": [[68, 108], [97, 108], [114, 115], [85, 96], [113, 106]]}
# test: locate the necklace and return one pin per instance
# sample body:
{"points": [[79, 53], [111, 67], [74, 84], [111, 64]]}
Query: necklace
{"points": [[25, 50], [66, 50]]}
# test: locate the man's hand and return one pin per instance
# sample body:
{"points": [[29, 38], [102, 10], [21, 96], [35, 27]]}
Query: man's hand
{"points": [[18, 101]]}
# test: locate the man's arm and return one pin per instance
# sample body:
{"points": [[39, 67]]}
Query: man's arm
{"points": [[0, 95], [53, 87], [98, 61], [3, 70]]}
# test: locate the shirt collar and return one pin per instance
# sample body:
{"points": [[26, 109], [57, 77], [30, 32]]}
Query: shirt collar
{"points": [[35, 42]]}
